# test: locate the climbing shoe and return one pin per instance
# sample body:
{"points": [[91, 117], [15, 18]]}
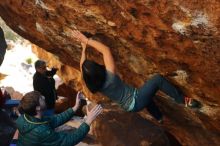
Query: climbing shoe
{"points": [[192, 103]]}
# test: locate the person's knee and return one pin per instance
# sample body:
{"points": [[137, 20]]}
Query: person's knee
{"points": [[158, 77]]}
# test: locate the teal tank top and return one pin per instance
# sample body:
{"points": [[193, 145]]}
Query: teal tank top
{"points": [[118, 91]]}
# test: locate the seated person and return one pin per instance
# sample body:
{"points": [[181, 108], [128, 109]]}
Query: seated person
{"points": [[6, 102], [37, 130], [15, 138]]}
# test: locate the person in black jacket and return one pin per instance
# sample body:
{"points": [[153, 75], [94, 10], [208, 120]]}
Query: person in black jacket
{"points": [[44, 83], [3, 46]]}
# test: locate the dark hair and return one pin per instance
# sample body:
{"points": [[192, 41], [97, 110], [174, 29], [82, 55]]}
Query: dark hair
{"points": [[3, 46], [39, 63], [29, 102], [93, 75]]}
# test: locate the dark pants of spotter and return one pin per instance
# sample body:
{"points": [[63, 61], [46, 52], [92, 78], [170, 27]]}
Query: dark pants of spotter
{"points": [[146, 93]]}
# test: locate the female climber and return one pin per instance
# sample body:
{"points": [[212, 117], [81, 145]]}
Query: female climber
{"points": [[104, 79]]}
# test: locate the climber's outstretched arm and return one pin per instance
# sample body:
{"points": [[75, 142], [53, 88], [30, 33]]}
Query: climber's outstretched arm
{"points": [[107, 55]]}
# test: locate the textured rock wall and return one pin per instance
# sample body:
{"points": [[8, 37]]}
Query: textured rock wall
{"points": [[178, 38]]}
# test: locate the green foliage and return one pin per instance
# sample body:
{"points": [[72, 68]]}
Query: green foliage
{"points": [[29, 60], [9, 34]]}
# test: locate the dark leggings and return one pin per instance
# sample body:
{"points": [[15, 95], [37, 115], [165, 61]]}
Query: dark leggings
{"points": [[146, 93]]}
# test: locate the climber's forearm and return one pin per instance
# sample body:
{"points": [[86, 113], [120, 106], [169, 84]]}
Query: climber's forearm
{"points": [[83, 57], [106, 52]]}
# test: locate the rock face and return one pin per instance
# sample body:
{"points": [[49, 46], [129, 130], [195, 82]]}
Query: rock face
{"points": [[129, 129], [179, 39]]}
